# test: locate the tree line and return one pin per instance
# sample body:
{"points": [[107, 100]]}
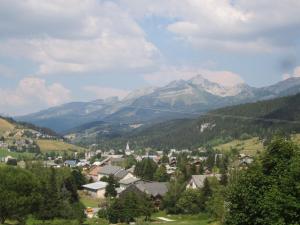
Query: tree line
{"points": [[41, 193]]}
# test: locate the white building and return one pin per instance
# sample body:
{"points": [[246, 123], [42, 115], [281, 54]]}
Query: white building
{"points": [[95, 190]]}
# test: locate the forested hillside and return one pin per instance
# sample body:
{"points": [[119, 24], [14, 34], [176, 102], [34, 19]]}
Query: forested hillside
{"points": [[262, 119]]}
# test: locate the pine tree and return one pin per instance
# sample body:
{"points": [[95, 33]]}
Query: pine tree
{"points": [[110, 190]]}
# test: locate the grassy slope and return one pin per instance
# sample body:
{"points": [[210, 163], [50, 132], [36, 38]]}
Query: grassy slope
{"points": [[4, 153], [5, 126], [58, 146], [249, 146]]}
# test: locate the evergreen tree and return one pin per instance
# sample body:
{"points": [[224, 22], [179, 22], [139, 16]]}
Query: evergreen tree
{"points": [[161, 174], [176, 188], [110, 189], [268, 191], [145, 169]]}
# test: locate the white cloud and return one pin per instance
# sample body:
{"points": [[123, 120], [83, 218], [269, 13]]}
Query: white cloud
{"points": [[296, 73], [168, 74], [105, 92], [74, 36], [241, 25], [32, 94]]}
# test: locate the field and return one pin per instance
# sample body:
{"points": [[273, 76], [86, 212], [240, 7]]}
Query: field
{"points": [[296, 138], [57, 146], [5, 126], [4, 153], [249, 146]]}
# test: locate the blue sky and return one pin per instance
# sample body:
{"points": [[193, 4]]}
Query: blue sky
{"points": [[53, 52]]}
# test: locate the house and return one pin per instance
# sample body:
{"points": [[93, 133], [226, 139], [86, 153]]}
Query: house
{"points": [[116, 171], [70, 163], [51, 164], [93, 173], [83, 163], [155, 190], [197, 181], [108, 170], [126, 182], [7, 158], [245, 160], [123, 174], [95, 190]]}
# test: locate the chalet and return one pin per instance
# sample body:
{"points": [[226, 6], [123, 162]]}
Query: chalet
{"points": [[70, 163], [155, 190], [126, 182], [95, 190], [118, 172], [107, 171], [197, 181]]}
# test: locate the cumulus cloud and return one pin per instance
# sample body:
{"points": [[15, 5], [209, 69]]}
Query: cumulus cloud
{"points": [[74, 36], [32, 94], [296, 73], [105, 92], [168, 74], [241, 25]]}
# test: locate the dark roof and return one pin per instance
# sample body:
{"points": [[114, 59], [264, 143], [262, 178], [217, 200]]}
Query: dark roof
{"points": [[71, 162], [153, 188], [110, 170], [121, 174], [128, 181]]}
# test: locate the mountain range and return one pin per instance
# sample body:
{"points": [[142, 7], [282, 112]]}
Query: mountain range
{"points": [[263, 119], [143, 107]]}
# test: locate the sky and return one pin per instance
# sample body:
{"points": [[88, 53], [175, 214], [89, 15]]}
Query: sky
{"points": [[53, 52]]}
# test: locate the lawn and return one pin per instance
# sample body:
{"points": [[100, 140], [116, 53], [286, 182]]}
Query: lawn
{"points": [[58, 146], [249, 146], [87, 201], [201, 219], [178, 220]]}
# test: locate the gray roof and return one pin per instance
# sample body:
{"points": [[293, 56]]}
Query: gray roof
{"points": [[153, 188], [110, 170], [71, 162], [95, 186], [128, 181], [121, 174], [199, 179]]}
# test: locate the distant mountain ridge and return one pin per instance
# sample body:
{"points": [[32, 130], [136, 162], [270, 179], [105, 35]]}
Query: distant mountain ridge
{"points": [[178, 99], [261, 119]]}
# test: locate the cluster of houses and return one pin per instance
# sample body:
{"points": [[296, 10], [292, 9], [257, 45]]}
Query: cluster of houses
{"points": [[22, 140], [127, 182]]}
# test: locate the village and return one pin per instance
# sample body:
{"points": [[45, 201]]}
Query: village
{"points": [[150, 173]]}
